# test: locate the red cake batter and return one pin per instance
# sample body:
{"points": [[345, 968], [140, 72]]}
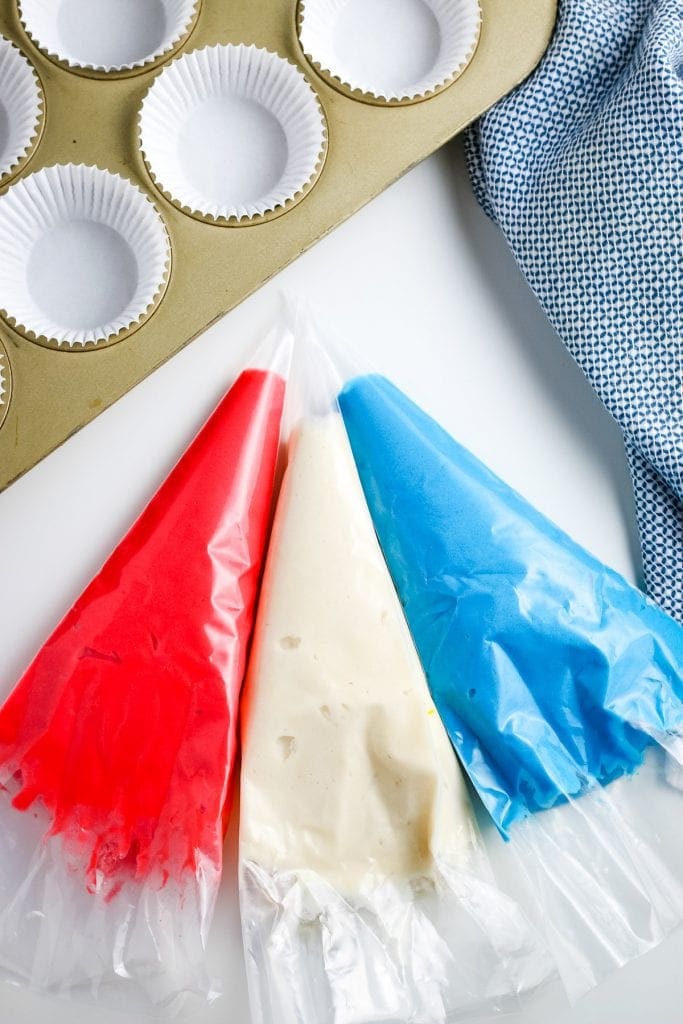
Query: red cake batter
{"points": [[123, 730]]}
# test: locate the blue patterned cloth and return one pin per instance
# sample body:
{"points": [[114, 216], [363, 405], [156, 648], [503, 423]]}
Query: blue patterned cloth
{"points": [[582, 168]]}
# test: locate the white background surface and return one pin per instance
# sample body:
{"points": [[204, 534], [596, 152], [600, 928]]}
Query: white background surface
{"points": [[425, 285]]}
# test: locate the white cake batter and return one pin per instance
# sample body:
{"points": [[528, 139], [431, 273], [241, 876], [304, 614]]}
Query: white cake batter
{"points": [[347, 770]]}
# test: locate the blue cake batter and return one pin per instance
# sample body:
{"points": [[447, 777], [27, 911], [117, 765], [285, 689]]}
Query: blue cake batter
{"points": [[550, 671]]}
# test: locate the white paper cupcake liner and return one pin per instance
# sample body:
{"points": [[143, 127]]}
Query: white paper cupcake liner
{"points": [[107, 35], [5, 383], [232, 132], [390, 51], [21, 107], [84, 255]]}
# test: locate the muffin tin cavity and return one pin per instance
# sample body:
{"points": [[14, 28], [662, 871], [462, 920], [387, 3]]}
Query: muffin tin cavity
{"points": [[389, 51], [230, 133], [85, 255], [107, 35], [21, 111], [5, 384]]}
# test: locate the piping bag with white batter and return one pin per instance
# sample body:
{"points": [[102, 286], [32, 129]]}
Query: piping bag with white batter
{"points": [[366, 895], [556, 680]]}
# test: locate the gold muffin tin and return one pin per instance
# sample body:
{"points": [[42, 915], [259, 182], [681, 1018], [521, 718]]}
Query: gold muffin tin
{"points": [[92, 118]]}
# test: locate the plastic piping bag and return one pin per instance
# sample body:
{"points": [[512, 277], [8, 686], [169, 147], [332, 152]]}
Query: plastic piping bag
{"points": [[117, 747], [555, 678], [365, 891]]}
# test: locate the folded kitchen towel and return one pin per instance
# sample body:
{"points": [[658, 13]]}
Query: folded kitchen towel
{"points": [[582, 168]]}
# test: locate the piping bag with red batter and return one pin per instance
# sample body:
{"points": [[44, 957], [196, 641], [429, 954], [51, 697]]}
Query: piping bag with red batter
{"points": [[117, 746]]}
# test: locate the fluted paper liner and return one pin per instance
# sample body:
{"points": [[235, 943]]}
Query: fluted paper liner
{"points": [[256, 87], [157, 29], [36, 209], [4, 384], [457, 25], [21, 103]]}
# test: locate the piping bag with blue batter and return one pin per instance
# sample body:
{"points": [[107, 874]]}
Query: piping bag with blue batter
{"points": [[556, 680]]}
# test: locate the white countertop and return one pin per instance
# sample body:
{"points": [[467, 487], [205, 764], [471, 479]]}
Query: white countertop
{"points": [[424, 284]]}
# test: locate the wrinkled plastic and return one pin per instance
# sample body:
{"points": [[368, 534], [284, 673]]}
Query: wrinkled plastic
{"points": [[365, 891], [553, 676], [117, 747]]}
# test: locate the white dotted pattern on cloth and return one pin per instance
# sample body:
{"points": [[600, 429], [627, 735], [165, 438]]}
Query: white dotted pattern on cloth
{"points": [[582, 167]]}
